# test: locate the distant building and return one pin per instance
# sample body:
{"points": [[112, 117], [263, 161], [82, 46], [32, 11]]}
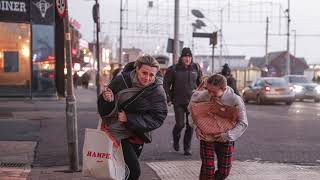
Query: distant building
{"points": [[313, 72], [234, 62], [277, 63], [130, 54], [163, 61]]}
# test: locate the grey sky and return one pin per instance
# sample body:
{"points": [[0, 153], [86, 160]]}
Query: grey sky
{"points": [[304, 14]]}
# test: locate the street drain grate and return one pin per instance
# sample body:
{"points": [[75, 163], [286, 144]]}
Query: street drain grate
{"points": [[12, 165]]}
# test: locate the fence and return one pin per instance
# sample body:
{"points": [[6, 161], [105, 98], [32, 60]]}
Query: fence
{"points": [[246, 76]]}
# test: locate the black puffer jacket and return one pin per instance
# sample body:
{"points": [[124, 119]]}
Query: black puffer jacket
{"points": [[145, 112], [180, 81], [232, 82]]}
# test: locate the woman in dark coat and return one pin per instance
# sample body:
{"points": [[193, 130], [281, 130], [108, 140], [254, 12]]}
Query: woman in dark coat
{"points": [[139, 115], [231, 81]]}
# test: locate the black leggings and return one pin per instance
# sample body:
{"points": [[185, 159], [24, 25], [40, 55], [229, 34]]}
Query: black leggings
{"points": [[131, 153]]}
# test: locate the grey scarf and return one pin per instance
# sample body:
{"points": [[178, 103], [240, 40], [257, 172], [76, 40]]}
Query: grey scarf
{"points": [[134, 79], [116, 128]]}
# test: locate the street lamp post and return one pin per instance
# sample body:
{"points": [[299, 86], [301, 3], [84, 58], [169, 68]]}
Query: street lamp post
{"points": [[120, 37], [71, 110], [96, 19], [213, 37], [196, 25]]}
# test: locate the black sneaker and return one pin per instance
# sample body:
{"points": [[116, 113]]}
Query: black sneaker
{"points": [[176, 146], [187, 153]]}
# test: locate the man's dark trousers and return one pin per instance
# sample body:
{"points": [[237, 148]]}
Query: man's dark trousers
{"points": [[182, 120]]}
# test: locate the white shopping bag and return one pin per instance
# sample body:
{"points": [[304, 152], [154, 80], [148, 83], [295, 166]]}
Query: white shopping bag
{"points": [[102, 157]]}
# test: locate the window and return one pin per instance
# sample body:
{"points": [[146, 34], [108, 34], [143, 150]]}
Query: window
{"points": [[11, 61], [299, 79], [15, 61], [279, 82], [258, 83], [43, 58]]}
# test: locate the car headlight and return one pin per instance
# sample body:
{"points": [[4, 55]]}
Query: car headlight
{"points": [[318, 89], [298, 88]]}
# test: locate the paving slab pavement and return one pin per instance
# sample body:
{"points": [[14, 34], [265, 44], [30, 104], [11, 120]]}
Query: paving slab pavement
{"points": [[16, 158], [249, 170], [60, 173]]}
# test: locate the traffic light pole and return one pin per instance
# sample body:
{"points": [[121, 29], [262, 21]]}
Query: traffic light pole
{"points": [[71, 110], [213, 42], [98, 48]]}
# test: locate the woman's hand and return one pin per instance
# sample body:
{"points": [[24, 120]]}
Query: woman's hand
{"points": [[122, 117], [221, 138], [107, 94]]}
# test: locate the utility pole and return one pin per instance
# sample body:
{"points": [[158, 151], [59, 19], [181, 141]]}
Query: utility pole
{"points": [[96, 18], [288, 40], [267, 42], [176, 32], [295, 42], [71, 109], [120, 38], [212, 59], [221, 36]]}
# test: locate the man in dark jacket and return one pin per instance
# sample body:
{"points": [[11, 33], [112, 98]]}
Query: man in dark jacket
{"points": [[179, 82], [140, 114]]}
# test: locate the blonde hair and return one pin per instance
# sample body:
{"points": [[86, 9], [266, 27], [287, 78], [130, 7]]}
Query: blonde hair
{"points": [[203, 84], [146, 60]]}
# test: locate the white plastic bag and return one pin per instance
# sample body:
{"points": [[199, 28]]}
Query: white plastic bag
{"points": [[102, 158]]}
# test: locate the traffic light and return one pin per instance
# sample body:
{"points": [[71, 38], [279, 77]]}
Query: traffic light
{"points": [[213, 39], [96, 15]]}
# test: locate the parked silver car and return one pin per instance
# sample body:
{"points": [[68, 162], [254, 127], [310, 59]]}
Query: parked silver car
{"points": [[304, 88], [269, 89]]}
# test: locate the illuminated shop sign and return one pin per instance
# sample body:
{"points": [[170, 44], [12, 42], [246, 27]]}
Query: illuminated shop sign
{"points": [[15, 10]]}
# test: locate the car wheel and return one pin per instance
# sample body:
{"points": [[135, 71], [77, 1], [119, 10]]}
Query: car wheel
{"points": [[259, 100], [289, 103], [316, 100]]}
